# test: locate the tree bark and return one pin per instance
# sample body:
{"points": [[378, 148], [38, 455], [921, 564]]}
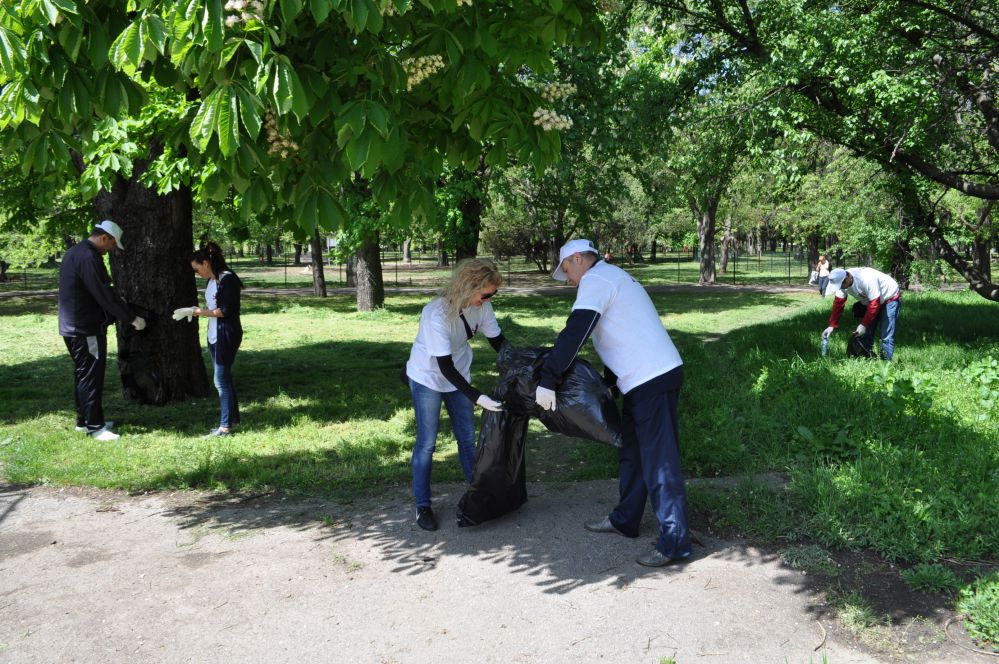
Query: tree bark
{"points": [[370, 287], [163, 363], [298, 253], [706, 239], [983, 240], [318, 276], [442, 259], [407, 251], [270, 254], [726, 241], [812, 245]]}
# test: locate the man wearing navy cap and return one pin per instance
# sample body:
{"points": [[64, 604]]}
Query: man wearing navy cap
{"points": [[641, 360], [875, 290], [87, 305]]}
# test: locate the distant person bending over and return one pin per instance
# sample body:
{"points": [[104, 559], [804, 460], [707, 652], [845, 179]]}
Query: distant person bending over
{"points": [[879, 293], [641, 359], [823, 267], [439, 370], [87, 305], [225, 331]]}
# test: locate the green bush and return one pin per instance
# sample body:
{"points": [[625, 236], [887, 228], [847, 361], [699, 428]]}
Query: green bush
{"points": [[980, 602]]}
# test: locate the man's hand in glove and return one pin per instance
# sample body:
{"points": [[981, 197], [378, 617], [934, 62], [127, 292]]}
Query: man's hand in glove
{"points": [[861, 329], [139, 323], [489, 403], [183, 312], [545, 398], [827, 332]]}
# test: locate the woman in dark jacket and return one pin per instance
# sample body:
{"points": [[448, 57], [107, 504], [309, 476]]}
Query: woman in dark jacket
{"points": [[224, 329]]}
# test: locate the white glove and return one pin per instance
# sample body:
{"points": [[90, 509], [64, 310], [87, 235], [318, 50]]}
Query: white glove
{"points": [[545, 398], [861, 329], [183, 312], [139, 323], [489, 403], [826, 333]]}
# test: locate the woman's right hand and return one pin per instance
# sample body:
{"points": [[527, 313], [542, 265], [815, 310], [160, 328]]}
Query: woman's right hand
{"points": [[489, 403]]}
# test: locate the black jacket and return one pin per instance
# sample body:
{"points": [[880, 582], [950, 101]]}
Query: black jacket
{"points": [[229, 330], [87, 302]]}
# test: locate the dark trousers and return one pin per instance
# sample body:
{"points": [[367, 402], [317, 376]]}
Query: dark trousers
{"points": [[650, 464], [89, 359]]}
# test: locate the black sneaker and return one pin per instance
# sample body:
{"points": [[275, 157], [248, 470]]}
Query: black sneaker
{"points": [[425, 518]]}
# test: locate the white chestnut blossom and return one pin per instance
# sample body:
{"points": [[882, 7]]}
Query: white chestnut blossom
{"points": [[419, 69], [278, 142], [243, 11], [555, 91], [549, 120]]}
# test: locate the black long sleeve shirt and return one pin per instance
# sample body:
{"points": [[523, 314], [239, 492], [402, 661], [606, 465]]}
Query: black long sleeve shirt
{"points": [[446, 365], [87, 302]]}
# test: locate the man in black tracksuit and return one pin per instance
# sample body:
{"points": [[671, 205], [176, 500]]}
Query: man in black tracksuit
{"points": [[87, 305]]}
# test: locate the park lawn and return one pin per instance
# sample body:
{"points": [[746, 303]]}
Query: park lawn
{"points": [[901, 458]]}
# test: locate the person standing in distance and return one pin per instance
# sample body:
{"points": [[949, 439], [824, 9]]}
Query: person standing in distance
{"points": [[823, 267], [439, 370], [642, 361], [879, 293], [87, 305]]}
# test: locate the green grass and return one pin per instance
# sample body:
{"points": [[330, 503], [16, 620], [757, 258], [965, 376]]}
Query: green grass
{"points": [[980, 602], [931, 578], [903, 460]]}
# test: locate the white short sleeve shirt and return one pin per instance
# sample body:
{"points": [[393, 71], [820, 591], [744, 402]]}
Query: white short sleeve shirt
{"points": [[438, 337], [870, 284], [629, 337]]}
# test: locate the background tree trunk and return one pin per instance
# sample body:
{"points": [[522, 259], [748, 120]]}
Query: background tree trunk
{"points": [[162, 363], [318, 276], [351, 270], [270, 254], [706, 239], [726, 243], [370, 288], [442, 259], [298, 253], [407, 251], [812, 244], [982, 259]]}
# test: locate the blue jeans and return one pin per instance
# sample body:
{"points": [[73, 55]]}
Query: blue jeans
{"points": [[427, 405], [887, 319], [227, 392], [823, 282]]}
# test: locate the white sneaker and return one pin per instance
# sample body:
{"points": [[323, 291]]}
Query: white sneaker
{"points": [[105, 434], [109, 424]]}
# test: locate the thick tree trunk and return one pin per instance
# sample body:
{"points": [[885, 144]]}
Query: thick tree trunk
{"points": [[706, 239], [162, 363], [370, 287], [812, 245], [351, 270], [653, 252], [982, 249], [270, 254], [4, 265], [726, 242], [442, 257], [467, 242], [318, 276], [407, 251], [298, 253]]}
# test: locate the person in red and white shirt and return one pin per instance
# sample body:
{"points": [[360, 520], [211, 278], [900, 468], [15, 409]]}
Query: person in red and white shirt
{"points": [[879, 293]]}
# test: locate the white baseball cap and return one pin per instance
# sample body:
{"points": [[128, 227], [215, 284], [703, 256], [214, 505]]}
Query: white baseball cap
{"points": [[112, 229], [568, 249], [836, 278]]}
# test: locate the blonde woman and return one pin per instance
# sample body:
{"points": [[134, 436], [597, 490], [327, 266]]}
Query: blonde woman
{"points": [[439, 367], [823, 268]]}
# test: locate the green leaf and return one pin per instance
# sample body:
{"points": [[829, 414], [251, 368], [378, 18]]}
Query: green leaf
{"points": [[227, 123], [126, 50], [212, 25], [289, 95], [377, 116], [70, 38], [12, 53], [357, 150], [290, 9], [359, 14], [156, 32], [51, 11], [249, 111], [320, 10], [331, 215], [204, 120]]}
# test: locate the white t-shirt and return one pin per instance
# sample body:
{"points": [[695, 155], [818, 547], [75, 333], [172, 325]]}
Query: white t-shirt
{"points": [[211, 294], [629, 337], [823, 269], [869, 284], [439, 337]]}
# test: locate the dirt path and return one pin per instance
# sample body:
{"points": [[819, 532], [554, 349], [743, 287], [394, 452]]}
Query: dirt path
{"points": [[88, 576]]}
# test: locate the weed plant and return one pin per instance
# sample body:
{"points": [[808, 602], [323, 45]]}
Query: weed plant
{"points": [[931, 578], [980, 602]]}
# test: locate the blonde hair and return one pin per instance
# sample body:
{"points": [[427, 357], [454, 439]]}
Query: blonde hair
{"points": [[470, 276]]}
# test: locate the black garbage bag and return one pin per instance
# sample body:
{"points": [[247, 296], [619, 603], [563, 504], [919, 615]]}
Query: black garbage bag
{"points": [[855, 347], [584, 409], [139, 379]]}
